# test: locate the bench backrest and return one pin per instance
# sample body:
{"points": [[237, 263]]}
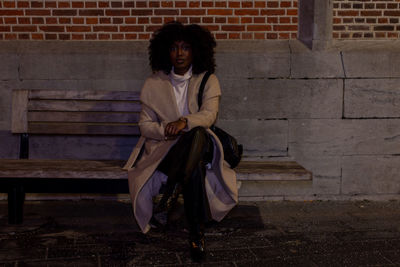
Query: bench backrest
{"points": [[75, 112]]}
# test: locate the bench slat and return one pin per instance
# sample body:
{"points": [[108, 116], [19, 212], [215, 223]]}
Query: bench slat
{"points": [[83, 105], [75, 169], [83, 94], [19, 111], [116, 117], [83, 129]]}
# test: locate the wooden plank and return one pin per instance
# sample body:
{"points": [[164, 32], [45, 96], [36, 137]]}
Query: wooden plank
{"points": [[272, 171], [83, 129], [68, 169], [83, 94], [34, 168], [19, 121], [54, 116], [83, 105]]}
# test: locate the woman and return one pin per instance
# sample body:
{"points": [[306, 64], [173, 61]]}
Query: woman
{"points": [[176, 146]]}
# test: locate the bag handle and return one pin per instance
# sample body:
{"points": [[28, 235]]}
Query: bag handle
{"points": [[201, 89]]}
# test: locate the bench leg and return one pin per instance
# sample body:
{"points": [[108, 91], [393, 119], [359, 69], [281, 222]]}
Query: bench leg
{"points": [[16, 197]]}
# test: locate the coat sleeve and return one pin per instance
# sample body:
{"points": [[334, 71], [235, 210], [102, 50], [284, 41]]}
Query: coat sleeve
{"points": [[208, 112]]}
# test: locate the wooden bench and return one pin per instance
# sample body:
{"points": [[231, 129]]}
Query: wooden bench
{"points": [[91, 113]]}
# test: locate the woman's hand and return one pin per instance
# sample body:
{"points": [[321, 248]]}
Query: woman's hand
{"points": [[174, 128]]}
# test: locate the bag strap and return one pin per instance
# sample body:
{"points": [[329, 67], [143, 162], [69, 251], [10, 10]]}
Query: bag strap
{"points": [[201, 89]]}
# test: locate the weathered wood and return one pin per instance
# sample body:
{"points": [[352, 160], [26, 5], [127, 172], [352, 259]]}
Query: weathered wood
{"points": [[83, 94], [69, 116], [91, 169], [19, 111], [84, 105], [83, 128]]}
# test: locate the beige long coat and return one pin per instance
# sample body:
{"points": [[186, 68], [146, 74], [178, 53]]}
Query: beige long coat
{"points": [[158, 108]]}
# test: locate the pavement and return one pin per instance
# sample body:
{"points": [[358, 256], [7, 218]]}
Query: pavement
{"points": [[103, 233]]}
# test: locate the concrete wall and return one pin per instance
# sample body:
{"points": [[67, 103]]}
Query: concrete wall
{"points": [[333, 110]]}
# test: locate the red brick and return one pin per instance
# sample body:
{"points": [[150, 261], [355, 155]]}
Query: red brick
{"points": [[10, 36], [77, 37], [117, 12], [272, 12], [284, 36], [383, 20], [167, 3], [193, 12], [115, 4], [24, 20], [5, 28], [37, 20], [169, 19], [183, 20], [106, 28], [219, 12], [90, 4], [293, 35], [286, 4], [371, 20], [23, 36], [272, 36], [50, 4], [337, 20], [384, 28], [210, 20], [259, 36], [220, 36], [156, 20], [259, 4], [11, 12], [170, 12], [63, 4], [291, 12], [272, 4], [9, 4], [130, 20], [141, 4], [245, 20], [294, 20], [211, 28], [295, 5], [247, 35], [207, 3], [285, 27], [234, 35], [118, 20], [103, 36], [194, 4], [392, 6], [234, 5], [78, 20], [253, 28], [230, 28], [371, 13], [392, 13], [154, 4], [37, 36], [78, 29], [131, 28], [381, 6], [141, 12], [64, 20], [37, 4], [335, 35], [348, 20], [272, 20], [220, 20], [247, 4], [52, 28], [220, 4], [21, 4], [144, 36], [102, 4], [77, 4], [131, 36], [37, 12], [117, 36], [195, 20], [91, 36], [92, 20], [233, 20], [51, 21], [284, 20], [244, 12], [64, 12], [393, 35], [259, 20], [143, 20], [91, 12], [380, 35], [348, 13]]}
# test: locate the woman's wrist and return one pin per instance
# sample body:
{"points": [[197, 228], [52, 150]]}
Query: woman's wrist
{"points": [[184, 120]]}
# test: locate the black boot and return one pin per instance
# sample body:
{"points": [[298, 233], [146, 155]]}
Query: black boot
{"points": [[197, 247]]}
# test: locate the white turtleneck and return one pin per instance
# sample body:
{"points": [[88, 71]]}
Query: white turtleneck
{"points": [[180, 83]]}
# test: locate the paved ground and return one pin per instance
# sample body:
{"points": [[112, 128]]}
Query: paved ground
{"points": [[102, 233]]}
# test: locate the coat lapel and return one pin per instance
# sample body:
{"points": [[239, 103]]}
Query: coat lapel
{"points": [[169, 95], [192, 93]]}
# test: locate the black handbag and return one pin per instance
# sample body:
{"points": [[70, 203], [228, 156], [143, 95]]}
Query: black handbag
{"points": [[232, 150]]}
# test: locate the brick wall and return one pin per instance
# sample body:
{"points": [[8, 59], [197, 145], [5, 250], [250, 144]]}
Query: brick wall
{"points": [[136, 20], [366, 19]]}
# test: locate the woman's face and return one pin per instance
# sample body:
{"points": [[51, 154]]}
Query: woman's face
{"points": [[180, 54]]}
